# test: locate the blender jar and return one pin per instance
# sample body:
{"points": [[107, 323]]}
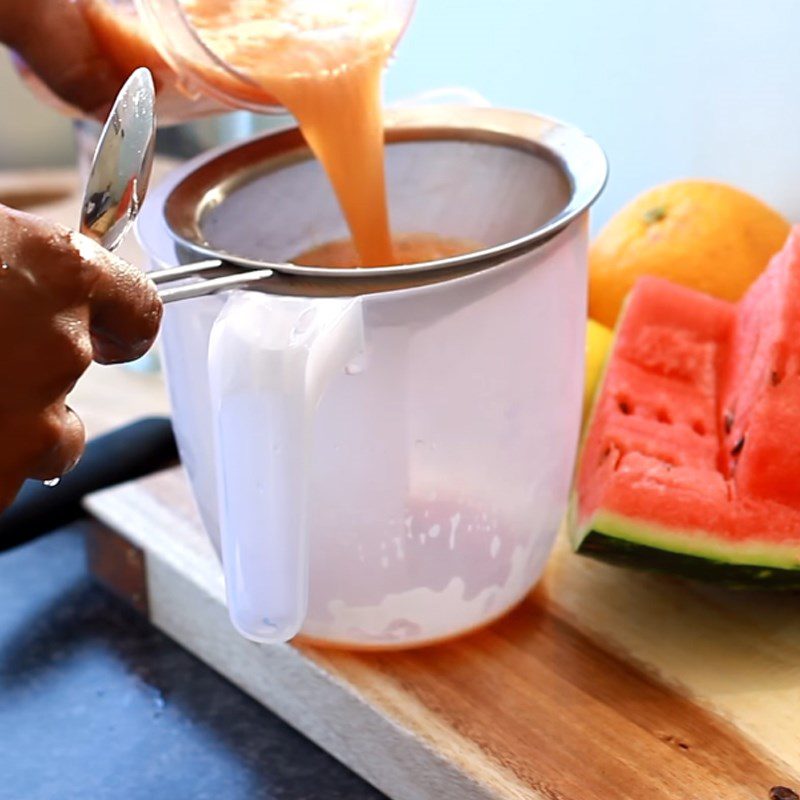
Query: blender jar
{"points": [[127, 44], [246, 59]]}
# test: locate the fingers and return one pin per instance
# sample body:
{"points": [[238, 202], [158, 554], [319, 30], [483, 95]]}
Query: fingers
{"points": [[44, 362], [69, 435], [82, 51], [56, 43], [56, 272], [124, 308], [41, 445], [63, 300]]}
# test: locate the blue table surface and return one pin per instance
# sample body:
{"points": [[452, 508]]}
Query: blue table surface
{"points": [[95, 703]]}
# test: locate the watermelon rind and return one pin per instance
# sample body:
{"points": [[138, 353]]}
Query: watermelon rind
{"points": [[693, 554]]}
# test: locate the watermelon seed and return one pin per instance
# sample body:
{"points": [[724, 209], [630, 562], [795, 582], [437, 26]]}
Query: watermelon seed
{"points": [[737, 448], [670, 739], [782, 793], [624, 406], [775, 378], [728, 421], [608, 450]]}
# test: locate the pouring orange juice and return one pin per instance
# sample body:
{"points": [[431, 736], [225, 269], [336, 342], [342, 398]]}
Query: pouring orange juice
{"points": [[320, 59]]}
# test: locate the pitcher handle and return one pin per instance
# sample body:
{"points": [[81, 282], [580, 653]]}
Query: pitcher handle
{"points": [[269, 361]]}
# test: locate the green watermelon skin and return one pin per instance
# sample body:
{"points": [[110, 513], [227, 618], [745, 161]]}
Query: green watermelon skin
{"points": [[733, 576], [690, 463], [603, 541]]}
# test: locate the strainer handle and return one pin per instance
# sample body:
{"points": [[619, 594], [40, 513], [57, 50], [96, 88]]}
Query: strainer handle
{"points": [[270, 359]]}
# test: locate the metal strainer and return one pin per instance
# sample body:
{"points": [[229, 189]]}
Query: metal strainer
{"points": [[518, 180]]}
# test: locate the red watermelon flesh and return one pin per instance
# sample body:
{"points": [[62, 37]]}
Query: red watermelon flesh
{"points": [[691, 461], [761, 387]]}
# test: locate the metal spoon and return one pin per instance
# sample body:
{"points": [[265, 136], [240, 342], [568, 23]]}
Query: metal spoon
{"points": [[122, 163], [118, 181]]}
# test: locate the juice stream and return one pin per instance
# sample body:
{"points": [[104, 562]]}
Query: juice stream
{"points": [[322, 60]]}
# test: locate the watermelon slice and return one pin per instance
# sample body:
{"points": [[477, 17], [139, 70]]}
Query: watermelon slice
{"points": [[691, 460]]}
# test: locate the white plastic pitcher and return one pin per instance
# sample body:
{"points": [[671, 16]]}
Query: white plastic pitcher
{"points": [[383, 458]]}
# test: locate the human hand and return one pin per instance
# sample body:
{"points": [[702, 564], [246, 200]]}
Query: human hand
{"points": [[76, 54], [64, 301]]}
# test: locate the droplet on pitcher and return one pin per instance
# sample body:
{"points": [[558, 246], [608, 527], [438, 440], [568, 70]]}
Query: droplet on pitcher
{"points": [[52, 482], [354, 368], [304, 323]]}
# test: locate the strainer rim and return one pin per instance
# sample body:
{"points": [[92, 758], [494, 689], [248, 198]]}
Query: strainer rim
{"points": [[579, 157]]}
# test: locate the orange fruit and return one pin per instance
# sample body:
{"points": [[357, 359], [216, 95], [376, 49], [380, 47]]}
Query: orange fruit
{"points": [[705, 235]]}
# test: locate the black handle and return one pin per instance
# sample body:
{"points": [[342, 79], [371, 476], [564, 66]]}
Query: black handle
{"points": [[138, 449]]}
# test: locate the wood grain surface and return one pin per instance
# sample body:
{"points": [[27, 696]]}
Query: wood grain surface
{"points": [[36, 188], [602, 684]]}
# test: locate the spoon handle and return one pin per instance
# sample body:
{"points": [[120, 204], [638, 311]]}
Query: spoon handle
{"points": [[184, 271], [201, 288]]}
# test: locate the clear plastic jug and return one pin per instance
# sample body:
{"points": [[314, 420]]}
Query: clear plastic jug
{"points": [[382, 459]]}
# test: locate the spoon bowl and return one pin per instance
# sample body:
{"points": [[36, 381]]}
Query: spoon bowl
{"points": [[122, 163], [117, 185]]}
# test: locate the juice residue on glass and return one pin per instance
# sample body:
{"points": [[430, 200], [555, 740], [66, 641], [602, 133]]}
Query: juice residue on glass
{"points": [[119, 34], [124, 43], [322, 60]]}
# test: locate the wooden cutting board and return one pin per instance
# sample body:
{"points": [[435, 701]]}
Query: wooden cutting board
{"points": [[603, 685]]}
